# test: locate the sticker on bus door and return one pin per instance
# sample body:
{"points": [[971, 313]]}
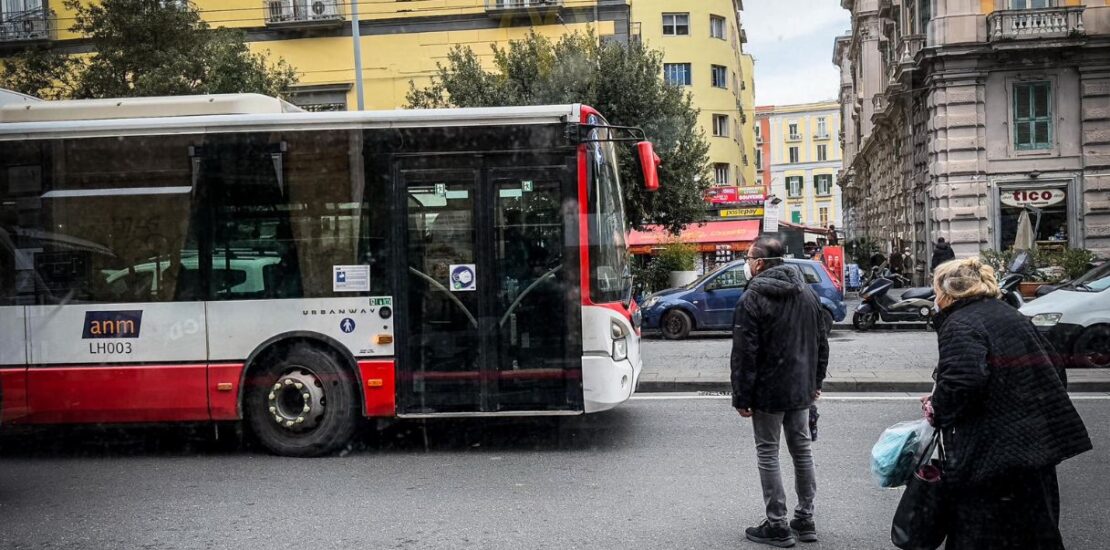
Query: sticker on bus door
{"points": [[350, 278], [463, 278]]}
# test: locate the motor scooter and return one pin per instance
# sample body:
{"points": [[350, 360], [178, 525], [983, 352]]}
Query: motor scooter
{"points": [[916, 304], [1010, 283]]}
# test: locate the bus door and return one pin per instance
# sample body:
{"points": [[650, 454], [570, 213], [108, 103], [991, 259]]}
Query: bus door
{"points": [[442, 349], [490, 305]]}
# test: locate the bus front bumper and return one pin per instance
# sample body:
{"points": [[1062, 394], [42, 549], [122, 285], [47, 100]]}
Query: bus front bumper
{"points": [[607, 383]]}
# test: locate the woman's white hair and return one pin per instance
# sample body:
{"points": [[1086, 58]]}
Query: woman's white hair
{"points": [[967, 278]]}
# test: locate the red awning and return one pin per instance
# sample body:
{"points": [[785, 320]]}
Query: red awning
{"points": [[706, 233]]}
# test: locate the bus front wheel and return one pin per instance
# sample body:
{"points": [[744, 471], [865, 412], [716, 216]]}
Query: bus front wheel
{"points": [[302, 402]]}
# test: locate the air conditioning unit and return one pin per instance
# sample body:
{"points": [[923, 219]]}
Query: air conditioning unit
{"points": [[279, 10], [323, 9]]}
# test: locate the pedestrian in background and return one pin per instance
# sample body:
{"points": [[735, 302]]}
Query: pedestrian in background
{"points": [[780, 352], [942, 252], [834, 240], [1006, 419]]}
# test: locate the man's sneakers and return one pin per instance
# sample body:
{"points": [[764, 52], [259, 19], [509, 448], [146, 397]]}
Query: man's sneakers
{"points": [[805, 529], [775, 535]]}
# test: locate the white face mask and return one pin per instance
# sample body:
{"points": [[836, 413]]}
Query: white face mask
{"points": [[748, 270]]}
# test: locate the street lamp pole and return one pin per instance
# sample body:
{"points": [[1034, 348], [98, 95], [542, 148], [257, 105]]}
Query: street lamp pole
{"points": [[358, 54]]}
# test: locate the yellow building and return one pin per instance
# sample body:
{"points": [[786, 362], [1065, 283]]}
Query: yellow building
{"points": [[403, 42], [702, 45], [400, 41], [804, 158]]}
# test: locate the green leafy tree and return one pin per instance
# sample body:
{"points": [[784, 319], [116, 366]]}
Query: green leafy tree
{"points": [[146, 48], [623, 81]]}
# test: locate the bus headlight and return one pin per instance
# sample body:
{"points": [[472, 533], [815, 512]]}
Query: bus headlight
{"points": [[1046, 319], [620, 341]]}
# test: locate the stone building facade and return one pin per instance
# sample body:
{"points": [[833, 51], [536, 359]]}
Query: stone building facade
{"points": [[960, 114]]}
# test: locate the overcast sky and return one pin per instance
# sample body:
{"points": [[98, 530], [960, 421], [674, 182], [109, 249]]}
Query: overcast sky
{"points": [[792, 42]]}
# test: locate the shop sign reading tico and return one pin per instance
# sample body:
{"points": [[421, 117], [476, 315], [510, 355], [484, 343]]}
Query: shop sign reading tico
{"points": [[1039, 198]]}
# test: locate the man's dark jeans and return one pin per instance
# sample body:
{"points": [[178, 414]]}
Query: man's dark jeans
{"points": [[768, 428]]}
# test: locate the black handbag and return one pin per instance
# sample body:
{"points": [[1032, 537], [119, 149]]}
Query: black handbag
{"points": [[919, 523]]}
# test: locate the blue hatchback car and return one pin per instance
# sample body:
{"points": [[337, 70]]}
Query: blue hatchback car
{"points": [[708, 302]]}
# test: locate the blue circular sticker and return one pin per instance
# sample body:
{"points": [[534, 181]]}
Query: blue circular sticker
{"points": [[462, 277], [347, 325]]}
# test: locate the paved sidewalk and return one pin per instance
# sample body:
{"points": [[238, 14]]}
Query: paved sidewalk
{"points": [[879, 361]]}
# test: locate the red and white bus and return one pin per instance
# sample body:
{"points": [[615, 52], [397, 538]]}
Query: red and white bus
{"points": [[226, 257]]}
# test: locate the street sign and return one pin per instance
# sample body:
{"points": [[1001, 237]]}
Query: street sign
{"points": [[771, 219]]}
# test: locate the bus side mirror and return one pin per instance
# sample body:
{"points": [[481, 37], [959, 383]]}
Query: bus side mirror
{"points": [[649, 164]]}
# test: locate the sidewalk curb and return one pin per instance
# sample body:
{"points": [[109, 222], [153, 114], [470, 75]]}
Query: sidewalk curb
{"points": [[884, 326], [854, 386]]}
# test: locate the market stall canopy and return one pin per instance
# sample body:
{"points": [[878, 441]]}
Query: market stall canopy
{"points": [[709, 233]]}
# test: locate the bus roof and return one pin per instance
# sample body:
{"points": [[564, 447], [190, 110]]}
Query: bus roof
{"points": [[237, 113]]}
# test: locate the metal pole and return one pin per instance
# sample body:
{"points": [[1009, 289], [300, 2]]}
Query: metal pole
{"points": [[358, 54]]}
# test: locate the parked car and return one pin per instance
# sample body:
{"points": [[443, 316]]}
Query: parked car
{"points": [[708, 302], [1076, 318]]}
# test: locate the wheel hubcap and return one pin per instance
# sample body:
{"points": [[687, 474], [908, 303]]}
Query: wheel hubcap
{"points": [[674, 324], [296, 401], [1098, 351]]}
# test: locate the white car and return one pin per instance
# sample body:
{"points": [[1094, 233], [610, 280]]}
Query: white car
{"points": [[1076, 318]]}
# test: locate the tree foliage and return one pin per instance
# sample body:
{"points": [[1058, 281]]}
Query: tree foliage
{"points": [[146, 48], [623, 81]]}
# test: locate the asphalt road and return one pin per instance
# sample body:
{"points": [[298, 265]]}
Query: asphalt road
{"points": [[653, 474], [848, 350]]}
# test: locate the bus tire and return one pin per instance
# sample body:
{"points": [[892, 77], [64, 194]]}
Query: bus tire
{"points": [[676, 325], [302, 402]]}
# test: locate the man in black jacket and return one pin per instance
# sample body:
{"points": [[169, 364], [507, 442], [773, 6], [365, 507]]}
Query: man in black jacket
{"points": [[942, 252], [779, 356]]}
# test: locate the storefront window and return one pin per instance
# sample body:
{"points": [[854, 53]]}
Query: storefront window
{"points": [[1048, 214]]}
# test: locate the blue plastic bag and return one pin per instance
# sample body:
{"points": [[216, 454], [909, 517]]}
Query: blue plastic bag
{"points": [[895, 453]]}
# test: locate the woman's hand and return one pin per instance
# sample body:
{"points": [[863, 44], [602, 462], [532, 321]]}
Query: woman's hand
{"points": [[927, 407]]}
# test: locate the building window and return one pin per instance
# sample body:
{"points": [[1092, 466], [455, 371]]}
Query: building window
{"points": [[796, 216], [823, 216], [758, 159], [1032, 116], [720, 173], [758, 133], [1055, 215], [676, 24], [720, 77], [822, 153], [1031, 4], [822, 184], [720, 125], [918, 14], [677, 74], [793, 155], [792, 132], [717, 27], [794, 186], [822, 128]]}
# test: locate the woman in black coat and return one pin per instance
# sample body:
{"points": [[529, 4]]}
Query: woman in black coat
{"points": [[1006, 419]]}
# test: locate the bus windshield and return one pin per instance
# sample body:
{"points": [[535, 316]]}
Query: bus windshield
{"points": [[610, 274]]}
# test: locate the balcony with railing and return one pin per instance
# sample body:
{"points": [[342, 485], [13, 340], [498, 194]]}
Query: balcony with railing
{"points": [[906, 57], [301, 13], [25, 26], [1033, 24], [498, 8]]}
